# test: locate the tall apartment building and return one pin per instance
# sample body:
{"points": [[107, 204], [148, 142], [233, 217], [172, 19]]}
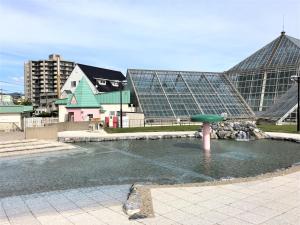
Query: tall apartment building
{"points": [[43, 80]]}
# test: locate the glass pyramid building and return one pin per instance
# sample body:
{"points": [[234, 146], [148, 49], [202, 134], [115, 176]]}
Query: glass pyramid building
{"points": [[265, 76], [284, 111], [172, 95]]}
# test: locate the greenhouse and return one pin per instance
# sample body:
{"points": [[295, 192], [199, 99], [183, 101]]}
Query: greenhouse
{"points": [[265, 76], [181, 94], [284, 111]]}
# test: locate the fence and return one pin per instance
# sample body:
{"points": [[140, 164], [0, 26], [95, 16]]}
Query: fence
{"points": [[39, 121], [150, 123]]}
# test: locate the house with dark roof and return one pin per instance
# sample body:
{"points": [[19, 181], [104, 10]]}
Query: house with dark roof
{"points": [[84, 105], [100, 80]]}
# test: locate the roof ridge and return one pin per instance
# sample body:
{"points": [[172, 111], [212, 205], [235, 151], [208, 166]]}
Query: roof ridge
{"points": [[80, 64], [295, 41]]}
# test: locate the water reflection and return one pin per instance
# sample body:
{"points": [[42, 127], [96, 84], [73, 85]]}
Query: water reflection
{"points": [[207, 161]]}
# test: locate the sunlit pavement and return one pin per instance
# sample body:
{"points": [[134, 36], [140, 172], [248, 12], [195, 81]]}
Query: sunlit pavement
{"points": [[267, 201]]}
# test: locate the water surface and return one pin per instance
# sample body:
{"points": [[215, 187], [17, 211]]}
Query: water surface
{"points": [[156, 161]]}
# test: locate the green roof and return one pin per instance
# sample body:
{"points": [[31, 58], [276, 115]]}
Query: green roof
{"points": [[83, 96], [16, 108], [113, 97], [63, 101]]}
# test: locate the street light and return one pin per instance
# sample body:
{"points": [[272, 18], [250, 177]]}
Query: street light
{"points": [[296, 78], [121, 86]]}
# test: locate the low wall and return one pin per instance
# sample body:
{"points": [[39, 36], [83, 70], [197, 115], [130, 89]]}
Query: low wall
{"points": [[69, 126], [50, 131]]}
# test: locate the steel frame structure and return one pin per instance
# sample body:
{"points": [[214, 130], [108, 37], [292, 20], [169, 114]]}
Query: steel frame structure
{"points": [[173, 95], [265, 76]]}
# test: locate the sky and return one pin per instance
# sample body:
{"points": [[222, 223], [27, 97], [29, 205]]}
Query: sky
{"points": [[194, 35]]}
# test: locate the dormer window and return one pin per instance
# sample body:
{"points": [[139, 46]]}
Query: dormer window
{"points": [[102, 82], [115, 84]]}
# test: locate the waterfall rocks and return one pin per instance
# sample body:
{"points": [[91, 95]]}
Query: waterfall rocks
{"points": [[243, 130]]}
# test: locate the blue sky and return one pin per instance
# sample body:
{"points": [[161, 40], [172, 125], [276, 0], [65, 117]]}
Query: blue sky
{"points": [[155, 34]]}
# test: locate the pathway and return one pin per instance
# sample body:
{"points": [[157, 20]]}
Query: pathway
{"points": [[269, 201]]}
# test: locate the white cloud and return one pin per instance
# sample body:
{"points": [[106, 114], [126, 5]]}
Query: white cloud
{"points": [[18, 79]]}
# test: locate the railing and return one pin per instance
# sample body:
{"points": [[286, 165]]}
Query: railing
{"points": [[152, 123]]}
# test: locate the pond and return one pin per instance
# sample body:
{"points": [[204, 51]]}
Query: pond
{"points": [[165, 161]]}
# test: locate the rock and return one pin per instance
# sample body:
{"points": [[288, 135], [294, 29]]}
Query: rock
{"points": [[224, 134], [258, 134], [167, 136], [229, 130], [153, 137], [133, 204], [198, 134], [213, 135]]}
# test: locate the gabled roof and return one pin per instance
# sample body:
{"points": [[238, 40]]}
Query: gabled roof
{"points": [[96, 72], [284, 50], [83, 96], [93, 73]]}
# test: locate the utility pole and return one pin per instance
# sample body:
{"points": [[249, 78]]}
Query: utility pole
{"points": [[121, 111], [297, 79], [298, 109]]}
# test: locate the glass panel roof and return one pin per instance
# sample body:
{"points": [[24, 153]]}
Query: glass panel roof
{"points": [[180, 94], [283, 105], [284, 50]]}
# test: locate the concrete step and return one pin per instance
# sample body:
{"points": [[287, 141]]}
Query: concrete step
{"points": [[18, 144], [35, 151], [17, 141], [45, 145]]}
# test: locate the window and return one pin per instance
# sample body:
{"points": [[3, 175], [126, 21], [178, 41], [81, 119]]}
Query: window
{"points": [[102, 82], [90, 116], [73, 84], [115, 84]]}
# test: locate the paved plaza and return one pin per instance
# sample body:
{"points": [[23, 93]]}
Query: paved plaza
{"points": [[265, 201]]}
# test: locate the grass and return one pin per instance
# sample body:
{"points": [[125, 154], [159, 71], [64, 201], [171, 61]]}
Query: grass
{"points": [[153, 129], [278, 128]]}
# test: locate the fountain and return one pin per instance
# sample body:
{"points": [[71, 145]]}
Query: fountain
{"points": [[206, 119], [242, 136]]}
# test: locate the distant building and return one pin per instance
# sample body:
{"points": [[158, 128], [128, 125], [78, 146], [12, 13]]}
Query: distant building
{"points": [[11, 116], [5, 99], [83, 104], [43, 80]]}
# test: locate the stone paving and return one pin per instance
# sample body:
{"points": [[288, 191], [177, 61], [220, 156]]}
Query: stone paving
{"points": [[277, 135], [87, 206], [269, 201]]}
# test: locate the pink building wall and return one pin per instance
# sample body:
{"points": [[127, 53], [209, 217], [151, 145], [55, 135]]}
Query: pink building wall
{"points": [[82, 114]]}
